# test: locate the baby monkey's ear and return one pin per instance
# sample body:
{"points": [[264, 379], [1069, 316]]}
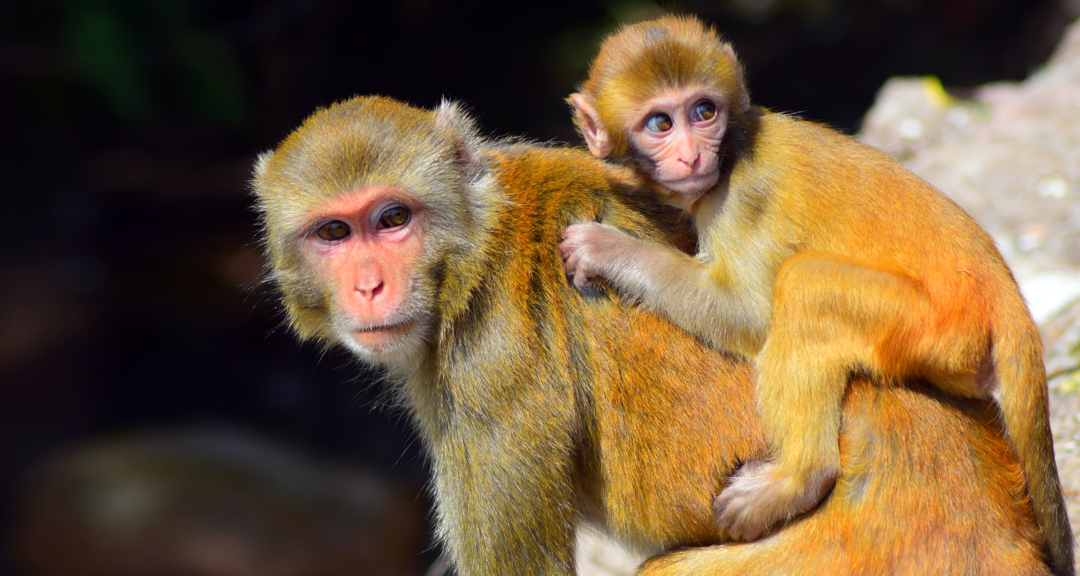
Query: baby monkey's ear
{"points": [[741, 102], [588, 123]]}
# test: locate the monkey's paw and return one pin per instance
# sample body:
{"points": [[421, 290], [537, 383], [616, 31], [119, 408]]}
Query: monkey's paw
{"points": [[588, 249], [760, 496]]}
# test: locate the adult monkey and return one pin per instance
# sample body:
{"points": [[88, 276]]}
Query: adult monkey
{"points": [[399, 234], [819, 257]]}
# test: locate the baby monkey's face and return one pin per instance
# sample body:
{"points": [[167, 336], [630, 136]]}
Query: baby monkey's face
{"points": [[676, 138]]}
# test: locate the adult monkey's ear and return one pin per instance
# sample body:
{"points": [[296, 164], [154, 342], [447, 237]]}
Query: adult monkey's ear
{"points": [[452, 120], [588, 123]]}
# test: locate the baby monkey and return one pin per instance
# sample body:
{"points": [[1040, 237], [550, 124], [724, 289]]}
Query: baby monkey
{"points": [[819, 257]]}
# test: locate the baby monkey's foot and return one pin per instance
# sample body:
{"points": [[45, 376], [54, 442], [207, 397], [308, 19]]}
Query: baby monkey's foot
{"points": [[760, 495]]}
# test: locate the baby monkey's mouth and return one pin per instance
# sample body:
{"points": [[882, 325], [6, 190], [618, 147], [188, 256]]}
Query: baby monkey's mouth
{"points": [[694, 182]]}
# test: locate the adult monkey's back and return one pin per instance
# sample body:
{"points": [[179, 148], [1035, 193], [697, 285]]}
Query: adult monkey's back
{"points": [[401, 235]]}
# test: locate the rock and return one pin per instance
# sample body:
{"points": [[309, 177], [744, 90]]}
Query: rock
{"points": [[211, 502]]}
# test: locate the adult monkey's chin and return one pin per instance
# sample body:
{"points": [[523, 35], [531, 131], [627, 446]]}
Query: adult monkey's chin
{"points": [[384, 338], [399, 345], [400, 348]]}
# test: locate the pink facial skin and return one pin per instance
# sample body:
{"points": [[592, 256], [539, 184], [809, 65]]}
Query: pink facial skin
{"points": [[679, 134], [365, 243]]}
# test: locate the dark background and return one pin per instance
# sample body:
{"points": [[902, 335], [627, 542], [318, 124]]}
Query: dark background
{"points": [[129, 295]]}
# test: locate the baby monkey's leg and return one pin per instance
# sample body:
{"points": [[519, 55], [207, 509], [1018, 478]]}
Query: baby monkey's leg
{"points": [[832, 316]]}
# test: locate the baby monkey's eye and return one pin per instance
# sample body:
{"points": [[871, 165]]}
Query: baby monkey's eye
{"points": [[333, 231], [394, 216], [704, 111], [659, 123]]}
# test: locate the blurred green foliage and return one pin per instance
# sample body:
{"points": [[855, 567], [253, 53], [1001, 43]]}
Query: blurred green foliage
{"points": [[140, 57], [101, 46]]}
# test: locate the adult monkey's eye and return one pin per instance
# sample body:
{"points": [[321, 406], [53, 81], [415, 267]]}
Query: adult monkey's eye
{"points": [[659, 123], [394, 216], [333, 231], [704, 111]]}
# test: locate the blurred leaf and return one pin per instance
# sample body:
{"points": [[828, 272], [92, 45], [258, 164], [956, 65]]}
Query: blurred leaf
{"points": [[568, 53], [102, 47], [1069, 380], [214, 80]]}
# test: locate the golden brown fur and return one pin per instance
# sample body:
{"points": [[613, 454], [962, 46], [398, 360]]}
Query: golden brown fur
{"points": [[821, 258], [542, 407]]}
